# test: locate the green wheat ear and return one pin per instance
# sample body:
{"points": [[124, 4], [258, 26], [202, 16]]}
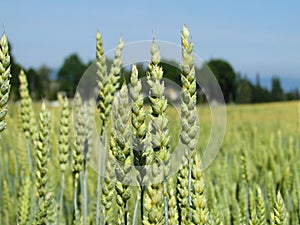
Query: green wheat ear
{"points": [[158, 156], [279, 216], [260, 207], [64, 131], [199, 206], [107, 82], [80, 137], [42, 147], [120, 146], [189, 124], [139, 134], [24, 202], [27, 112], [44, 215], [138, 123], [4, 80]]}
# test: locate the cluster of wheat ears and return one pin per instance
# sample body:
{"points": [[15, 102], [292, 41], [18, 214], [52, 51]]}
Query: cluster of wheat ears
{"points": [[46, 178]]}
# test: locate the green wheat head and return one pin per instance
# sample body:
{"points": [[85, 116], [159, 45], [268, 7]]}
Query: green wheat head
{"points": [[80, 137], [27, 112], [121, 148], [189, 124], [107, 82], [42, 147], [24, 202], [4, 80], [279, 215], [160, 137], [199, 206], [64, 134], [138, 124]]}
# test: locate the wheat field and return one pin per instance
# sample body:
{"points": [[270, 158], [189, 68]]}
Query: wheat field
{"points": [[54, 171]]}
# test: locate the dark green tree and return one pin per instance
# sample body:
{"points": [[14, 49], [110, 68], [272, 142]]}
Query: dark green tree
{"points": [[244, 91], [293, 95], [277, 92], [70, 74], [39, 82], [259, 93], [225, 76], [15, 70]]}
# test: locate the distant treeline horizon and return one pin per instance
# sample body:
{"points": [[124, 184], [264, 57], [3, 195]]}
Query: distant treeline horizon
{"points": [[45, 82]]}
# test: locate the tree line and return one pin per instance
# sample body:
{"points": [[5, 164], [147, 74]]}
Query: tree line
{"points": [[235, 87]]}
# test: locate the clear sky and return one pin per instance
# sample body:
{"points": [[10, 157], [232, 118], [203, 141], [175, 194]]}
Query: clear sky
{"points": [[258, 36]]}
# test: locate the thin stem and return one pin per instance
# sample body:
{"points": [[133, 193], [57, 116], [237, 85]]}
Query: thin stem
{"points": [[166, 210], [125, 214], [136, 210], [142, 203], [75, 203], [103, 168], [189, 188], [98, 181], [29, 154], [61, 197], [84, 194]]}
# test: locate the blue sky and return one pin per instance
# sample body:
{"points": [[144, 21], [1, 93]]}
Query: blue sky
{"points": [[254, 36]]}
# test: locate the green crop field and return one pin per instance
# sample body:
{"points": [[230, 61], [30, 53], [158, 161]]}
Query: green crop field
{"points": [[258, 159], [54, 171]]}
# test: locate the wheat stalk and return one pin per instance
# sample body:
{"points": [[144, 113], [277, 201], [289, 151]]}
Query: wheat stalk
{"points": [[4, 80]]}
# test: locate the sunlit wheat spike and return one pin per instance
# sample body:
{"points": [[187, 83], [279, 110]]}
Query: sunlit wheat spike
{"points": [[160, 137], [138, 123], [120, 146], [64, 133], [44, 214], [63, 146], [107, 82], [189, 123], [80, 137], [108, 189], [172, 203], [279, 215], [102, 74], [199, 204], [6, 202], [153, 203], [4, 80], [24, 202], [139, 132], [159, 132], [42, 147], [27, 112], [260, 207]]}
